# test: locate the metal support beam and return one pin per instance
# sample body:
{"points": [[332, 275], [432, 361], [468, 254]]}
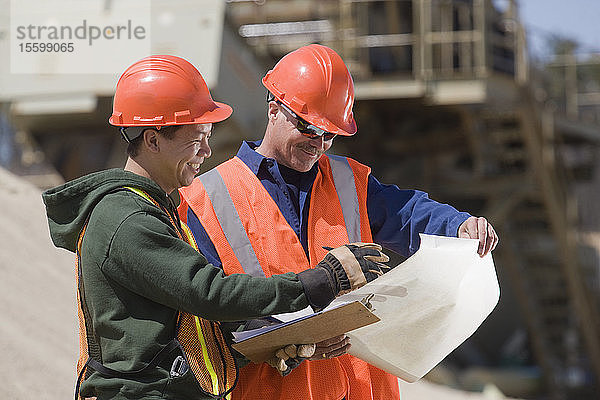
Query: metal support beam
{"points": [[563, 231]]}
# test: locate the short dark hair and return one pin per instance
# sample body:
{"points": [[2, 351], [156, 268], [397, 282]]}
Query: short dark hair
{"points": [[133, 148]]}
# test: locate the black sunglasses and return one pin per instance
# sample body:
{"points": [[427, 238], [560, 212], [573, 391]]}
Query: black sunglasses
{"points": [[307, 129]]}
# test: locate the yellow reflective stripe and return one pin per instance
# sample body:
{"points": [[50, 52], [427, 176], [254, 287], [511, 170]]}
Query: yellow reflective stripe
{"points": [[190, 236], [141, 193], [209, 367], [188, 233]]}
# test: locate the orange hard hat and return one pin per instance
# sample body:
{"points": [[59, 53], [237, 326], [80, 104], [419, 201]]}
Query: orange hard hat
{"points": [[315, 83], [164, 90]]}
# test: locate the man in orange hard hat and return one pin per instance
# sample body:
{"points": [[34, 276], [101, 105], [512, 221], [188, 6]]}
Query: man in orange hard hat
{"points": [[147, 299], [294, 201]]}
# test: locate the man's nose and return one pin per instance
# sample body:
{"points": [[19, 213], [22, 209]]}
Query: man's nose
{"points": [[205, 149]]}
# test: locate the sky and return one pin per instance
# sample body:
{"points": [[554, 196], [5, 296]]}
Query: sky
{"points": [[575, 19]]}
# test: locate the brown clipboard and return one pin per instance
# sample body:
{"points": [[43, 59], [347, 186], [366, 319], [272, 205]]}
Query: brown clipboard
{"points": [[313, 329]]}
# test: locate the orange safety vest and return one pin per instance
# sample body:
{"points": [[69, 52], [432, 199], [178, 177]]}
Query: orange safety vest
{"points": [[201, 341], [261, 242]]}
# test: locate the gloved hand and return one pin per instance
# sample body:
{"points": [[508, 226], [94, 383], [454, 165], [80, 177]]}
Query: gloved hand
{"points": [[342, 270], [353, 265], [290, 356]]}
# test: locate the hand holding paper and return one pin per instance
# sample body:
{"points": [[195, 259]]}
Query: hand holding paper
{"points": [[479, 228]]}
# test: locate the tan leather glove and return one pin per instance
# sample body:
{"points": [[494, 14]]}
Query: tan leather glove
{"points": [[354, 264], [342, 270], [290, 356]]}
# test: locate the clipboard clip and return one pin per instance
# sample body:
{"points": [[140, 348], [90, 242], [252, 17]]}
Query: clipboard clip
{"points": [[366, 301]]}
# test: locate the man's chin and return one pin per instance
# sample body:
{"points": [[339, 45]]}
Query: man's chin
{"points": [[306, 165], [188, 181]]}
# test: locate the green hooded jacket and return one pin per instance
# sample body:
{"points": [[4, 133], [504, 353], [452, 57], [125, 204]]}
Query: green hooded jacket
{"points": [[137, 274]]}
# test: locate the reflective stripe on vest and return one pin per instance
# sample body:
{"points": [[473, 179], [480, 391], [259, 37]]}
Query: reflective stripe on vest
{"points": [[209, 367], [230, 222], [233, 228], [343, 178]]}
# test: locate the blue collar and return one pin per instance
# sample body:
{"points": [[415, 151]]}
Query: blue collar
{"points": [[249, 156]]}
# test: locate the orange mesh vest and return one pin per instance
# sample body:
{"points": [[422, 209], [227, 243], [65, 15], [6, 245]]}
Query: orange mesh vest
{"points": [[261, 242], [201, 341]]}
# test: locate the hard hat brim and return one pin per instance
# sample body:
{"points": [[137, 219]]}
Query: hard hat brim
{"points": [[219, 113]]}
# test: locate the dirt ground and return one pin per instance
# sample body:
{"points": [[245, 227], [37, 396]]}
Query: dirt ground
{"points": [[38, 331]]}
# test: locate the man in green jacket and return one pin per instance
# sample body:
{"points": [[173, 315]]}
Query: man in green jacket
{"points": [[147, 297]]}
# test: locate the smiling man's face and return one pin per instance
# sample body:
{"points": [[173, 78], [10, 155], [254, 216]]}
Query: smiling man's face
{"points": [[288, 146], [180, 157]]}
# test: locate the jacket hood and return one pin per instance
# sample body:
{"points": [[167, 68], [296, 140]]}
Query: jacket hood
{"points": [[69, 205]]}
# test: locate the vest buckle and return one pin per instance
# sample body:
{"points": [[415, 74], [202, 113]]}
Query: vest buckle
{"points": [[179, 367]]}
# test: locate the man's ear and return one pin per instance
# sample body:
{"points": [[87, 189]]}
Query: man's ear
{"points": [[151, 140], [272, 110]]}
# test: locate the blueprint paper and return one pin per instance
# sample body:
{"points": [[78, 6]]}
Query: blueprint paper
{"points": [[428, 306]]}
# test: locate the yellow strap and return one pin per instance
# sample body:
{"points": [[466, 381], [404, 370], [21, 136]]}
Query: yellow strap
{"points": [[188, 233], [190, 236], [211, 370], [141, 193]]}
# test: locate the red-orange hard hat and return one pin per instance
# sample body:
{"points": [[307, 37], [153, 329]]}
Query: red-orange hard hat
{"points": [[164, 90], [315, 83]]}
